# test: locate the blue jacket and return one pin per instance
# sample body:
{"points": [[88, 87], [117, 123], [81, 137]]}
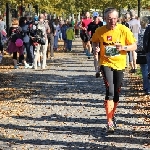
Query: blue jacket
{"points": [[63, 31]]}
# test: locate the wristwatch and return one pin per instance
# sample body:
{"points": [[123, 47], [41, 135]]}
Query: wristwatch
{"points": [[125, 48]]}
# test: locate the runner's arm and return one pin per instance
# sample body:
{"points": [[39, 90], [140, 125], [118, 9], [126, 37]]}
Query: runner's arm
{"points": [[95, 46], [88, 30], [81, 26], [131, 47]]}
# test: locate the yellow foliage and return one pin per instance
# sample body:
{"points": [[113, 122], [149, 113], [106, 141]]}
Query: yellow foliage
{"points": [[74, 6]]}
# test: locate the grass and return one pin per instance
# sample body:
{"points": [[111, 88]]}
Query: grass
{"points": [[139, 73]]}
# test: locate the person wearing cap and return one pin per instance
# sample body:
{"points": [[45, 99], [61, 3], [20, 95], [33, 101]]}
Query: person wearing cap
{"points": [[91, 28], [36, 18], [135, 27]]}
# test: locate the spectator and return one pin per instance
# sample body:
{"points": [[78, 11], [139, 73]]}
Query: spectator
{"points": [[73, 23], [56, 34], [12, 48], [26, 40], [51, 39], [70, 37], [61, 22], [44, 47], [2, 29], [146, 46], [77, 22], [36, 18], [63, 31], [40, 42], [141, 53], [125, 20], [134, 26]]}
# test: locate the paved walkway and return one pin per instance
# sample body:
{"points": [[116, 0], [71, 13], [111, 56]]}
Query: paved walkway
{"points": [[61, 108]]}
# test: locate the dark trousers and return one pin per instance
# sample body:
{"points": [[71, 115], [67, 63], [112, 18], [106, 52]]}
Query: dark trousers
{"points": [[51, 42], [113, 81], [21, 57], [1, 47], [29, 52], [69, 44]]}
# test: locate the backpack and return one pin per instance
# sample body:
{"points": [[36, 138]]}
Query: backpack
{"points": [[19, 43], [41, 33], [17, 37], [126, 24]]}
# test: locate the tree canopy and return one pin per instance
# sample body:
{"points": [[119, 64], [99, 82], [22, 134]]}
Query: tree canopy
{"points": [[74, 6]]}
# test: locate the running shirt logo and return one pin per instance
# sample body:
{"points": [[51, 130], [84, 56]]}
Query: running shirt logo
{"points": [[109, 38]]}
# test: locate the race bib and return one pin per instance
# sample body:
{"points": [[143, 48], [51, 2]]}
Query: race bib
{"points": [[111, 51]]}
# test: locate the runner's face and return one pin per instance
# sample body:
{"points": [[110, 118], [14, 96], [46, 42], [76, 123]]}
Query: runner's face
{"points": [[87, 14], [96, 19], [111, 20]]}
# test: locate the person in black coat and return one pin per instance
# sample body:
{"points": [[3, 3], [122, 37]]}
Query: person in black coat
{"points": [[51, 39], [146, 46]]}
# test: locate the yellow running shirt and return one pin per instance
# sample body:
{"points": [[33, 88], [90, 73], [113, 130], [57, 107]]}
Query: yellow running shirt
{"points": [[107, 38]]}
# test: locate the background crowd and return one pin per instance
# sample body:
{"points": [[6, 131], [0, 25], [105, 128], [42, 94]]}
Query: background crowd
{"points": [[33, 54]]}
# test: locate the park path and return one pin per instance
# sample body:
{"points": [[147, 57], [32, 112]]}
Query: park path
{"points": [[61, 108]]}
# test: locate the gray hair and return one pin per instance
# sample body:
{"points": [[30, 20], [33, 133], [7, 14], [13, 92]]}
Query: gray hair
{"points": [[127, 17], [109, 10], [144, 21], [132, 13]]}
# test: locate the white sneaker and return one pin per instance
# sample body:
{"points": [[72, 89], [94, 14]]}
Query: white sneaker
{"points": [[39, 65], [26, 66], [44, 67], [31, 66]]}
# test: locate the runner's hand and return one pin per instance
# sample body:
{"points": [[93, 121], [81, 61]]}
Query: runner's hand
{"points": [[84, 28], [97, 50], [119, 47]]}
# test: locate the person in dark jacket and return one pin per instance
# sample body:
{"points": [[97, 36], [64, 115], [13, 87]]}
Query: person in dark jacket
{"points": [[125, 20], [142, 60], [91, 28], [51, 39], [12, 47], [146, 46], [64, 28], [26, 39]]}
